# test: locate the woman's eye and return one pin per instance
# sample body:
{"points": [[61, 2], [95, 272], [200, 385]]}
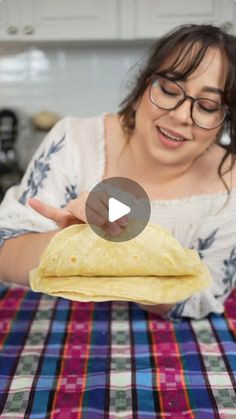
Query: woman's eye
{"points": [[169, 92], [208, 107]]}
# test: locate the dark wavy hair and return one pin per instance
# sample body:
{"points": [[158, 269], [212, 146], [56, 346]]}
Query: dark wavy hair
{"points": [[188, 41]]}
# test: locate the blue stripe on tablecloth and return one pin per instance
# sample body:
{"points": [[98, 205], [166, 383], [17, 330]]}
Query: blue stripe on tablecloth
{"points": [[227, 345], [15, 340], [96, 392], [194, 374], [48, 365], [141, 363]]}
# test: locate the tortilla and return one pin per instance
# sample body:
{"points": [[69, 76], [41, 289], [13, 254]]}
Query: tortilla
{"points": [[151, 268]]}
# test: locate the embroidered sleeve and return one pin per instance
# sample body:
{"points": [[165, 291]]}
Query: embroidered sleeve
{"points": [[48, 177]]}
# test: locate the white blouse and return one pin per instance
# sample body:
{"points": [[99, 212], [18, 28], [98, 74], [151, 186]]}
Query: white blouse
{"points": [[71, 159]]}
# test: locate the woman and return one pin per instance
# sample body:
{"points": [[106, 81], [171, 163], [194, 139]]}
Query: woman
{"points": [[166, 137]]}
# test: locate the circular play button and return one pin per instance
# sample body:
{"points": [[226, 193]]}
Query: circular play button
{"points": [[117, 209]]}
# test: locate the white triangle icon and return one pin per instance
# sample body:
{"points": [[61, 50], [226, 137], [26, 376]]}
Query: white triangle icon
{"points": [[116, 209]]}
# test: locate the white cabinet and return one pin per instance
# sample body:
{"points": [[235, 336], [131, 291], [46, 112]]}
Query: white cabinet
{"points": [[9, 19], [61, 20], [69, 19], [156, 17], [48, 20]]}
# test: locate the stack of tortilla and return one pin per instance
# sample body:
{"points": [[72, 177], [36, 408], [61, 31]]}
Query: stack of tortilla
{"points": [[151, 268]]}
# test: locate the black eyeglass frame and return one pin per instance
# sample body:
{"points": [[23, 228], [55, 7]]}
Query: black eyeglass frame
{"points": [[185, 97]]}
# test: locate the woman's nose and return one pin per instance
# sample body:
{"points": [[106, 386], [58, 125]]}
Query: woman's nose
{"points": [[183, 113]]}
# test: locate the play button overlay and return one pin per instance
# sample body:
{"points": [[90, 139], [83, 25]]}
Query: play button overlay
{"points": [[117, 209]]}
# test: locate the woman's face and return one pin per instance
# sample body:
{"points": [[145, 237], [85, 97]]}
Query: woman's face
{"points": [[153, 125]]}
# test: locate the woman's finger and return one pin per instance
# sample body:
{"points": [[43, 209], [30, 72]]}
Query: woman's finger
{"points": [[77, 207], [74, 213], [97, 213], [104, 198], [48, 211], [95, 218], [102, 207], [113, 228], [98, 202], [99, 208]]}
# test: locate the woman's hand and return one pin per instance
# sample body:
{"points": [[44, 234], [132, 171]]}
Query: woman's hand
{"points": [[74, 213]]}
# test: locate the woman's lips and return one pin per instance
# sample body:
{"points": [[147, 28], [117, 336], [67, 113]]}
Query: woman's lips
{"points": [[167, 142]]}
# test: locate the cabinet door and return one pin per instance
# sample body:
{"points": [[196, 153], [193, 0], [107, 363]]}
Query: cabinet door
{"points": [[155, 17], [9, 20], [69, 19]]}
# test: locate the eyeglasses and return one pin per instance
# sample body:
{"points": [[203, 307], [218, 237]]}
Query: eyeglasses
{"points": [[168, 95]]}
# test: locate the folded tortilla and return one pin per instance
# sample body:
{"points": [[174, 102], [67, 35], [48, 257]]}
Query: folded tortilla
{"points": [[151, 268]]}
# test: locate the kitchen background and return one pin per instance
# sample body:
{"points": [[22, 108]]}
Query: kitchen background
{"points": [[76, 57], [69, 80]]}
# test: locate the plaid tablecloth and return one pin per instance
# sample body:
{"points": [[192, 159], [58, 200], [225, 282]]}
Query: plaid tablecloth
{"points": [[64, 360]]}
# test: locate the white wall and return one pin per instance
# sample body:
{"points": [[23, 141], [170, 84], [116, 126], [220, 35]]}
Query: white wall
{"points": [[70, 80]]}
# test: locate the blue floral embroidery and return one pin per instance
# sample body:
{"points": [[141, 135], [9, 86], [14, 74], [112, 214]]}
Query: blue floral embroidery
{"points": [[204, 244], [39, 173], [229, 272], [7, 233], [70, 193]]}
